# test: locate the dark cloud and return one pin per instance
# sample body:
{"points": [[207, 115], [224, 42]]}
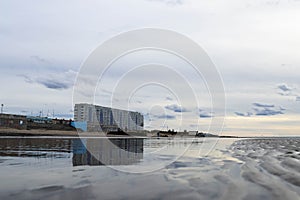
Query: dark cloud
{"points": [[263, 105], [247, 114], [56, 81], [53, 84], [165, 116], [284, 87], [263, 110], [205, 115], [267, 112], [176, 108]]}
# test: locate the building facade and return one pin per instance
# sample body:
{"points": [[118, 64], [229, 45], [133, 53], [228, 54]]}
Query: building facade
{"points": [[13, 121], [101, 118]]}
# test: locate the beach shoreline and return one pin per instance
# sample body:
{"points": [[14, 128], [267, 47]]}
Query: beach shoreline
{"points": [[10, 132], [43, 132]]}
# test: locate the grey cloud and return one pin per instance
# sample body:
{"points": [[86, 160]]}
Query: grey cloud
{"points": [[263, 105], [54, 84], [176, 108], [285, 90], [267, 112], [263, 110], [284, 94], [165, 116], [205, 114], [298, 98], [284, 87], [58, 81], [247, 114]]}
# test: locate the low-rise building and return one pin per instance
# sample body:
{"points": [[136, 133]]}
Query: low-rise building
{"points": [[13, 121]]}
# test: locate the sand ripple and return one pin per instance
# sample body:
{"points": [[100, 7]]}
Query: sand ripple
{"points": [[273, 164]]}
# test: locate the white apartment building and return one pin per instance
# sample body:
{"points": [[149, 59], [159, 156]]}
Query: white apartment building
{"points": [[105, 118]]}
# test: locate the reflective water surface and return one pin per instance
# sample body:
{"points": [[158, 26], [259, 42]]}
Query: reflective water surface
{"points": [[139, 168]]}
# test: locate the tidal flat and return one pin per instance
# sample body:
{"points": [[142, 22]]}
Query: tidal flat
{"points": [[149, 168]]}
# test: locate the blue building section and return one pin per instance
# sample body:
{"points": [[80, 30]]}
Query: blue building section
{"points": [[79, 125]]}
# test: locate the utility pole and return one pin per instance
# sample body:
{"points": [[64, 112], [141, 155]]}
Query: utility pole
{"points": [[2, 108]]}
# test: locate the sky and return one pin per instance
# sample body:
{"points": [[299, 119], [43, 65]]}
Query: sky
{"points": [[254, 45]]}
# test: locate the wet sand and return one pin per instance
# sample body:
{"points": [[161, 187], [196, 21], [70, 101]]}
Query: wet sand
{"points": [[58, 133], [43, 132], [209, 169]]}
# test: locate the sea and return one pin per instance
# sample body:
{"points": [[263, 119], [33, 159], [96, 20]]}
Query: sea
{"points": [[149, 168]]}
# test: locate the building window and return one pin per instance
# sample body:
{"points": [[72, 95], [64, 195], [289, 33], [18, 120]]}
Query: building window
{"points": [[90, 114], [101, 117], [111, 118]]}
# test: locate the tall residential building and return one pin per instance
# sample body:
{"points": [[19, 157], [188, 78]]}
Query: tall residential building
{"points": [[107, 119]]}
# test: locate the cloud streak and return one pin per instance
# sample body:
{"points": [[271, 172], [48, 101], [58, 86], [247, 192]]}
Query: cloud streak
{"points": [[267, 109], [283, 87], [268, 112], [247, 114], [54, 84], [285, 90], [164, 116], [60, 81], [176, 108], [261, 109], [205, 114], [263, 105]]}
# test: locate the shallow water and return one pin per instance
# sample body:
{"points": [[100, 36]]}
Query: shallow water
{"points": [[139, 168]]}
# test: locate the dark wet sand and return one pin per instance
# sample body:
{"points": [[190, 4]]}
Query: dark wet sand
{"points": [[43, 132]]}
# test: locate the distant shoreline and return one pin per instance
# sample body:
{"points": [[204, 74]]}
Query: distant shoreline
{"points": [[43, 132], [10, 132], [54, 133]]}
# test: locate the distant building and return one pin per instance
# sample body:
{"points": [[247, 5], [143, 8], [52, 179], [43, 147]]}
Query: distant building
{"points": [[192, 133], [13, 121], [107, 119], [34, 122]]}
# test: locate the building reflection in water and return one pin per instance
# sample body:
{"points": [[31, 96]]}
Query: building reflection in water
{"points": [[113, 151]]}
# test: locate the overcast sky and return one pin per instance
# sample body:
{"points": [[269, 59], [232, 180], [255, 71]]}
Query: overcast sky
{"points": [[255, 45]]}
